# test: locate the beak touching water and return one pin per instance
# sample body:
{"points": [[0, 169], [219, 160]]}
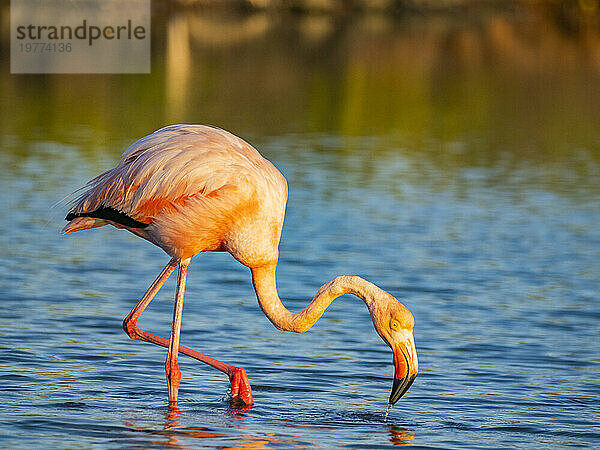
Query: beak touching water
{"points": [[406, 369]]}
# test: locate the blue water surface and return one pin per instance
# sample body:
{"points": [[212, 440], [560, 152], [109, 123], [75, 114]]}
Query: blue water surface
{"points": [[501, 272]]}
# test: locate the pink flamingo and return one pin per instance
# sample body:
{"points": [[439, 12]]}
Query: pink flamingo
{"points": [[194, 188]]}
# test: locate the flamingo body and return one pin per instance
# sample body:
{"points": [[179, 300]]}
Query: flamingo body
{"points": [[194, 188], [191, 188]]}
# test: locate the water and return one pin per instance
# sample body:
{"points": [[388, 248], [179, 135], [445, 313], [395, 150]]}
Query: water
{"points": [[476, 211], [387, 411]]}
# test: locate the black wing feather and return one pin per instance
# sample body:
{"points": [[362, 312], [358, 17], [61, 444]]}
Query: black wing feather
{"points": [[109, 213]]}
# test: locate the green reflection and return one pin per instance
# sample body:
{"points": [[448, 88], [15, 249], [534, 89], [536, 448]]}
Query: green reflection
{"points": [[499, 88]]}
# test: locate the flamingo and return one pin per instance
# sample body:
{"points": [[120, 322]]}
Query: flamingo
{"points": [[195, 188]]}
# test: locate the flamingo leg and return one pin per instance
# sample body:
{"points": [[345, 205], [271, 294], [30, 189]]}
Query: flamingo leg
{"points": [[130, 322], [240, 386], [171, 364]]}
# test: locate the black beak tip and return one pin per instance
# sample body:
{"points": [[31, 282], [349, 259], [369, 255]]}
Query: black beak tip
{"points": [[400, 387]]}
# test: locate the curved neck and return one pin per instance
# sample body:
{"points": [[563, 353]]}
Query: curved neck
{"points": [[265, 286]]}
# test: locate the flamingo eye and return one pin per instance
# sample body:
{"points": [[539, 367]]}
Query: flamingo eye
{"points": [[395, 325]]}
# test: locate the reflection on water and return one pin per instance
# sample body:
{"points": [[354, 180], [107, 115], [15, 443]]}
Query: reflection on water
{"points": [[177, 436], [453, 159], [401, 436]]}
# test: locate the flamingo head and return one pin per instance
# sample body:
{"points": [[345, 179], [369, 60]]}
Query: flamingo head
{"points": [[394, 323]]}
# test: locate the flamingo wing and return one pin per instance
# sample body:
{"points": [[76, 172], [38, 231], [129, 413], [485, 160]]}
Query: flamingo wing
{"points": [[165, 169]]}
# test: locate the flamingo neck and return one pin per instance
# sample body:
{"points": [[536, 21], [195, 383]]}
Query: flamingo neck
{"points": [[265, 286]]}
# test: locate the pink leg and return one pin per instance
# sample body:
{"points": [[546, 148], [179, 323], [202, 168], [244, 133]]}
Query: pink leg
{"points": [[240, 386], [130, 322], [172, 365]]}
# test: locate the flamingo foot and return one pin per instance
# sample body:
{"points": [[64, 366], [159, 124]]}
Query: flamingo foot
{"points": [[240, 388]]}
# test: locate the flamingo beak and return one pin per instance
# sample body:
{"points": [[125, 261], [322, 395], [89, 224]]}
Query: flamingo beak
{"points": [[406, 369]]}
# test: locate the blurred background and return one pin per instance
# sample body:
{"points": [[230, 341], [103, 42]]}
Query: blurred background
{"points": [[448, 151], [444, 70]]}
